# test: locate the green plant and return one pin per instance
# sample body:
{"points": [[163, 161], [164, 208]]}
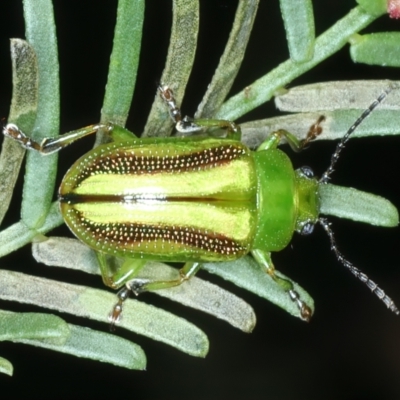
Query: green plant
{"points": [[39, 108]]}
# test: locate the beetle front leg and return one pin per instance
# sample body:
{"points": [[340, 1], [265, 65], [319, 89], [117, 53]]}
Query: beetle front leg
{"points": [[51, 145], [273, 141], [264, 260]]}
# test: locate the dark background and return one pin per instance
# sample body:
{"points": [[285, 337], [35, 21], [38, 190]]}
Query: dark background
{"points": [[350, 349]]}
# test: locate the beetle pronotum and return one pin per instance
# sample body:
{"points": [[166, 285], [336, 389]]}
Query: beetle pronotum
{"points": [[190, 199]]}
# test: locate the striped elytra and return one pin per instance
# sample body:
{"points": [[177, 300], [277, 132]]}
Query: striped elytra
{"points": [[176, 200]]}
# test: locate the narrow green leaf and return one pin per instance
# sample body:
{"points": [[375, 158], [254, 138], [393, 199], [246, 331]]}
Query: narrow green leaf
{"points": [[180, 57], [33, 326], [196, 293], [14, 237], [41, 171], [99, 346], [52, 332], [124, 62], [344, 202], [25, 78], [18, 234], [66, 253], [374, 7], [22, 112], [348, 98], [230, 61], [246, 273], [339, 95], [376, 49], [298, 18], [6, 367], [204, 296], [335, 125], [97, 304], [264, 88]]}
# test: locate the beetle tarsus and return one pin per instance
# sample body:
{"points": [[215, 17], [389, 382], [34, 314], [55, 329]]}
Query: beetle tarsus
{"points": [[115, 315], [12, 131], [167, 96], [305, 310], [187, 125], [314, 131]]}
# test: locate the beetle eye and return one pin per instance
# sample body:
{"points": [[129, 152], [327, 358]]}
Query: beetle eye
{"points": [[307, 228], [306, 171]]}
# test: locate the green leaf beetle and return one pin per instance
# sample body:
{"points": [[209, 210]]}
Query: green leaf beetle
{"points": [[192, 199]]}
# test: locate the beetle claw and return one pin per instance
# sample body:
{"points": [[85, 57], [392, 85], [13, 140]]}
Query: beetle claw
{"points": [[137, 285]]}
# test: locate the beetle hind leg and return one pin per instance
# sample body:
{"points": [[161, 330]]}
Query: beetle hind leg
{"points": [[140, 285]]}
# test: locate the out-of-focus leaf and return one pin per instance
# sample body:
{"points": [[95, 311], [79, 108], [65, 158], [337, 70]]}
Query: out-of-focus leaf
{"points": [[376, 49], [96, 304], [230, 61], [298, 18], [99, 346], [41, 171], [266, 87], [22, 113], [124, 63], [6, 367], [181, 52]]}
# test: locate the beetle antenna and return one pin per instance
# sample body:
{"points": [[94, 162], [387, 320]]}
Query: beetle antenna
{"points": [[335, 156], [355, 271]]}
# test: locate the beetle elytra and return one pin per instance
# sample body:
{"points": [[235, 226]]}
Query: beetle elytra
{"points": [[190, 199]]}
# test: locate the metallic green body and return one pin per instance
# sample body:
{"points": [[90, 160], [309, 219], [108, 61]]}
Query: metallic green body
{"points": [[184, 199]]}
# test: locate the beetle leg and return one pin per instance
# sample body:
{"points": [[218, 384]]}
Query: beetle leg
{"points": [[140, 285], [314, 131], [116, 312], [51, 145], [189, 125], [220, 128], [273, 140], [167, 96], [116, 271], [264, 260]]}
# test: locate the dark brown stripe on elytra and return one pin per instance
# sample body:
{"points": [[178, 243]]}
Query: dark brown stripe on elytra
{"points": [[123, 162], [123, 235], [73, 198]]}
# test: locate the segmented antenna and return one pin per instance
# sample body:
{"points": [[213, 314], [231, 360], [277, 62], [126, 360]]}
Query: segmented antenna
{"points": [[355, 271], [335, 156]]}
